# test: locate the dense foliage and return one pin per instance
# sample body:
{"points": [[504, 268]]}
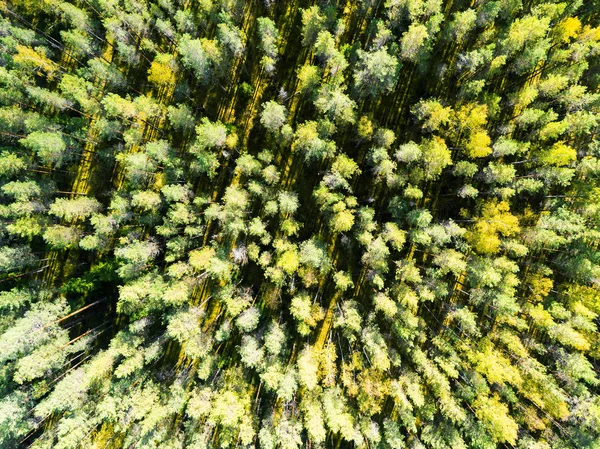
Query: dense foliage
{"points": [[286, 224]]}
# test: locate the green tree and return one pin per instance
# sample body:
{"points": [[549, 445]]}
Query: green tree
{"points": [[436, 157], [49, 147], [376, 72], [309, 140], [269, 40], [332, 101], [273, 116], [312, 23], [204, 57], [413, 41]]}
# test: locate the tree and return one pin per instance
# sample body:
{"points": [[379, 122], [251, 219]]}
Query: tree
{"points": [[15, 258], [499, 173], [463, 23], [161, 71], [181, 117], [12, 425], [308, 140], [395, 236], [436, 157], [274, 339], [100, 70], [432, 114], [22, 190], [49, 147], [135, 257], [308, 368], [558, 155], [312, 23], [231, 38], [494, 415], [408, 152], [288, 433], [325, 46], [332, 100], [376, 255], [342, 220], [413, 40], [138, 167], [309, 77], [252, 354], [146, 200], [305, 313], [288, 202], [313, 420], [376, 72], [248, 319], [37, 326], [203, 56], [79, 43], [313, 254], [273, 115], [210, 135], [74, 209], [62, 237], [345, 166], [479, 145], [47, 97], [10, 164], [269, 39], [35, 59], [495, 219]]}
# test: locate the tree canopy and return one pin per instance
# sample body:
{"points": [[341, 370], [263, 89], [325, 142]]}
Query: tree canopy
{"points": [[282, 224]]}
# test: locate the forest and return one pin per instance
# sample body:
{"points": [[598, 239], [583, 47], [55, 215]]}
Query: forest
{"points": [[323, 224]]}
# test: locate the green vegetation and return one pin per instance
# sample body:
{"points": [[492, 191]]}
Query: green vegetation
{"points": [[290, 224]]}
